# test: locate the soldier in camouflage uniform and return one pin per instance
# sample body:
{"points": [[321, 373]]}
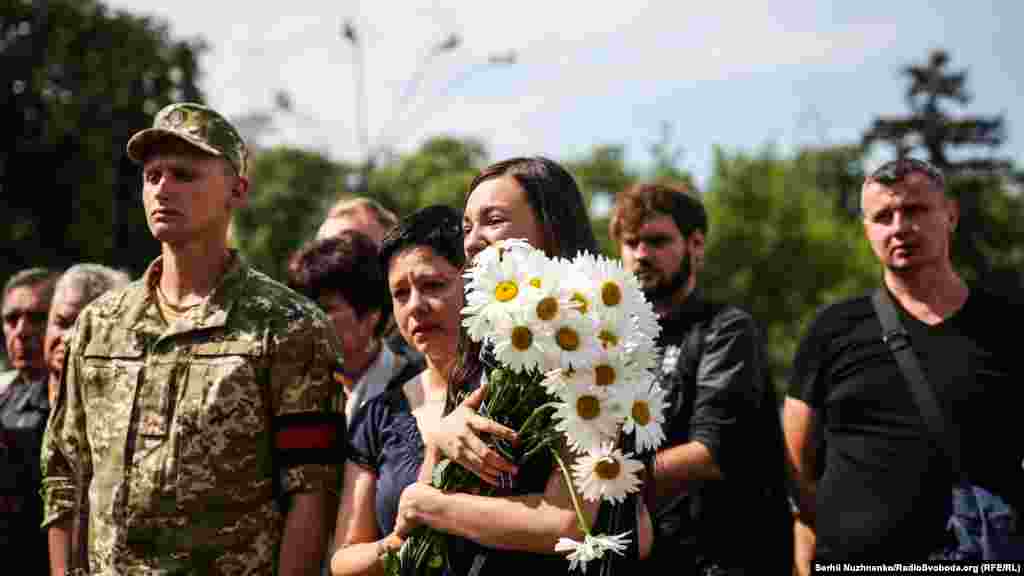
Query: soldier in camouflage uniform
{"points": [[194, 415]]}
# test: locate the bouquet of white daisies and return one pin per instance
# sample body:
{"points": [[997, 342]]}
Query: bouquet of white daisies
{"points": [[573, 347]]}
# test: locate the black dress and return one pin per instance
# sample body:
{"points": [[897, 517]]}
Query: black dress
{"points": [[471, 559]]}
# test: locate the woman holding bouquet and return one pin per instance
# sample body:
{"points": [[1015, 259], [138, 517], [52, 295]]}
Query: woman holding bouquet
{"points": [[518, 528]]}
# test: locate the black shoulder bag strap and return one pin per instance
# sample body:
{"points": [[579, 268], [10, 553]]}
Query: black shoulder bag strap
{"points": [[898, 339]]}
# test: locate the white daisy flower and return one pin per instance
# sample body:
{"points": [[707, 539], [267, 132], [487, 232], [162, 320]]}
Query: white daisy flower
{"points": [[592, 548], [556, 380], [496, 290], [607, 473], [477, 325], [610, 371], [587, 415], [614, 329], [579, 282], [616, 288], [502, 248], [647, 328], [540, 271], [643, 404], [546, 308], [576, 344], [519, 344], [642, 353]]}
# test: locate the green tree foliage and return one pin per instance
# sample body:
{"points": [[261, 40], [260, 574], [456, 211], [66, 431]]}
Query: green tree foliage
{"points": [[76, 80], [601, 174], [290, 192], [838, 171], [779, 247], [997, 237], [438, 173]]}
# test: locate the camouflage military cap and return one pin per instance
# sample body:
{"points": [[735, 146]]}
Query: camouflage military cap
{"points": [[196, 124]]}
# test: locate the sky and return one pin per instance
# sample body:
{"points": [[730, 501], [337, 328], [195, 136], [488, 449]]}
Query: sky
{"points": [[736, 74]]}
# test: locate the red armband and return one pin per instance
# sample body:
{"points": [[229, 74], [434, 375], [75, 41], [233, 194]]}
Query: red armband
{"points": [[309, 438]]}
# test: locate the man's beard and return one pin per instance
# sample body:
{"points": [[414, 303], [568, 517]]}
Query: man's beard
{"points": [[663, 291]]}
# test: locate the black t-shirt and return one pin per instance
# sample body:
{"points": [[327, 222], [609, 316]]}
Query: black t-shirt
{"points": [[884, 484], [730, 406]]}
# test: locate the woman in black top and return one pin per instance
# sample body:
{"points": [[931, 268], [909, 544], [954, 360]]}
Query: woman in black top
{"points": [[538, 200]]}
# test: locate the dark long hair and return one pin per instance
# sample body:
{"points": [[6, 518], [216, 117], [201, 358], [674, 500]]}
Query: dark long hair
{"points": [[558, 205], [556, 201]]}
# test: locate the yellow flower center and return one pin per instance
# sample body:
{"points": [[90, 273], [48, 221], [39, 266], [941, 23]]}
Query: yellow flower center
{"points": [[604, 375], [582, 301], [641, 413], [611, 294], [567, 339], [506, 291], [522, 338], [607, 468], [588, 407], [608, 338], [535, 282], [547, 309]]}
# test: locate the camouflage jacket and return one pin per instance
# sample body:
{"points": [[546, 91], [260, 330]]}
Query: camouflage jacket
{"points": [[182, 436]]}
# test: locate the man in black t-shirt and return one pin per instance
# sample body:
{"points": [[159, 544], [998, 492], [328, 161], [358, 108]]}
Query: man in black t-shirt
{"points": [[720, 503], [874, 482]]}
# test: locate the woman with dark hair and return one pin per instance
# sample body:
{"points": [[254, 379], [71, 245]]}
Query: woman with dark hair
{"points": [[535, 199], [422, 259], [323, 270], [499, 195]]}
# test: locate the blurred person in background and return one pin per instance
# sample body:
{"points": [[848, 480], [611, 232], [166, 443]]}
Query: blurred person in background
{"points": [[366, 215], [76, 287], [359, 213], [24, 408], [342, 274], [720, 477]]}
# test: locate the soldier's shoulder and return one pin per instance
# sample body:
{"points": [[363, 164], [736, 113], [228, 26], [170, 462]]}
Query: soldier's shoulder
{"points": [[112, 305], [267, 300]]}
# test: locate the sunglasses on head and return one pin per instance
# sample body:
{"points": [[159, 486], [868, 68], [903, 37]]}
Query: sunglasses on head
{"points": [[895, 171]]}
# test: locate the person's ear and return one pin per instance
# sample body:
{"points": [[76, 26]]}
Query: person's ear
{"points": [[240, 192], [696, 244], [952, 214]]}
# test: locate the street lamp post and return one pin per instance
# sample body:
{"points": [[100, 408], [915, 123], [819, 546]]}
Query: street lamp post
{"points": [[348, 32], [351, 35]]}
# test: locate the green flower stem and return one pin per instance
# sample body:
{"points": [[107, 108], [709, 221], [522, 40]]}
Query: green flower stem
{"points": [[572, 493], [536, 414], [547, 441]]}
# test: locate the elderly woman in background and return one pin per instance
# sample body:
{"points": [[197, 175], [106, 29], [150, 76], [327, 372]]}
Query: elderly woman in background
{"points": [[343, 275], [423, 260], [77, 286]]}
